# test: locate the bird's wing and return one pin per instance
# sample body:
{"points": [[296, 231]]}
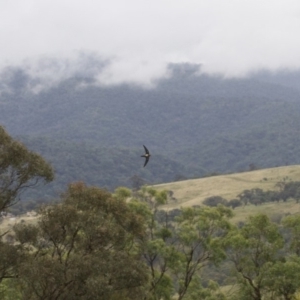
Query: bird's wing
{"points": [[146, 150], [146, 161]]}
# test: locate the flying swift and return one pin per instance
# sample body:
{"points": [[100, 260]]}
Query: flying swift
{"points": [[146, 155]]}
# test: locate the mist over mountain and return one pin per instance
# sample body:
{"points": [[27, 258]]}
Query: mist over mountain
{"points": [[198, 123]]}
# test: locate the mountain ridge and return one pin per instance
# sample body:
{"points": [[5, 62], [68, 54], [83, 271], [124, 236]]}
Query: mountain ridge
{"points": [[201, 124]]}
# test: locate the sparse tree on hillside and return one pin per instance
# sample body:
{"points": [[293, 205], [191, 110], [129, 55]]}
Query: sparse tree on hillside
{"points": [[233, 203], [215, 201], [289, 190], [254, 196]]}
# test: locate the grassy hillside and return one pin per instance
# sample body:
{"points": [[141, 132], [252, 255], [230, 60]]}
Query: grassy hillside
{"points": [[8, 222], [193, 192]]}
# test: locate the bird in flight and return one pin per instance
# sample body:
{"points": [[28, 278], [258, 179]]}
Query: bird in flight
{"points": [[146, 155]]}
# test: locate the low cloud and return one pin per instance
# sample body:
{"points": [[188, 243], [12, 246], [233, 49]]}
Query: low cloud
{"points": [[134, 41]]}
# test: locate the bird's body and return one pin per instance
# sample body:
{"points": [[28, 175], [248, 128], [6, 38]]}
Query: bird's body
{"points": [[146, 155]]}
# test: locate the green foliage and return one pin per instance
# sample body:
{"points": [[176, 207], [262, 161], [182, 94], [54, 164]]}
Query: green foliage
{"points": [[285, 191], [9, 259], [178, 248], [98, 245], [9, 290], [211, 292], [19, 168], [82, 248], [158, 254], [152, 197], [200, 234], [253, 249], [293, 224], [122, 193], [283, 278]]}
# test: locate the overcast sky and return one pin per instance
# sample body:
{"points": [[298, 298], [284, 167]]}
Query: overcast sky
{"points": [[140, 37]]}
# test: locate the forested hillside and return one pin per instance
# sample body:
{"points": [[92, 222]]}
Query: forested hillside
{"points": [[193, 124], [107, 167]]}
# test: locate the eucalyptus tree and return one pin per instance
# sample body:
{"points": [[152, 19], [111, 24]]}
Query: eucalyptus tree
{"points": [[177, 249], [200, 232], [282, 279], [82, 248], [20, 168], [158, 252], [292, 224], [253, 250]]}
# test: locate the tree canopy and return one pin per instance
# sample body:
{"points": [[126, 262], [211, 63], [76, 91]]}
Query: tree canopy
{"points": [[19, 168], [83, 247]]}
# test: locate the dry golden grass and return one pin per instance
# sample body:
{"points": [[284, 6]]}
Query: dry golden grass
{"points": [[194, 191], [8, 223]]}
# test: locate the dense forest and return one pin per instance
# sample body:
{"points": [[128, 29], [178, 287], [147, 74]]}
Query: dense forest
{"points": [[93, 244], [193, 124]]}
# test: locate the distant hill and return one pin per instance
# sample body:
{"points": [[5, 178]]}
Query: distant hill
{"points": [[194, 191], [193, 124]]}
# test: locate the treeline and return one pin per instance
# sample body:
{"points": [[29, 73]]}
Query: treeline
{"points": [[98, 245], [257, 196]]}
